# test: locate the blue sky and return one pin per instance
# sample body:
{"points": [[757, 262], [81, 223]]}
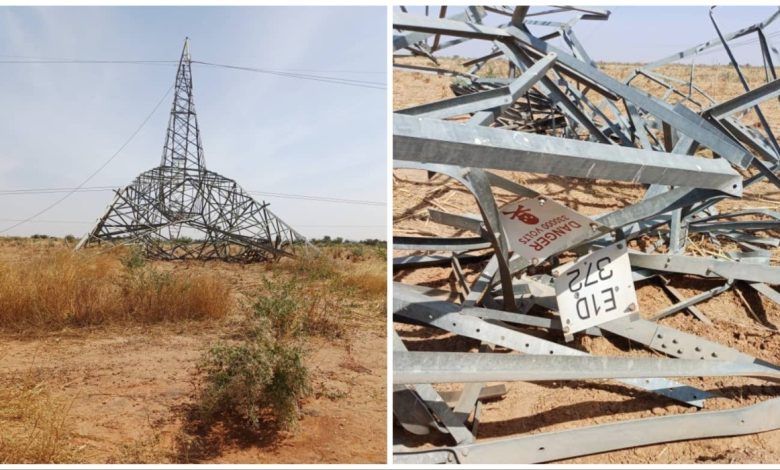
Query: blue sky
{"points": [[646, 33], [273, 134]]}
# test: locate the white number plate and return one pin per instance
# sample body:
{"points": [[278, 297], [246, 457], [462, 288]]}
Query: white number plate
{"points": [[539, 227], [595, 289]]}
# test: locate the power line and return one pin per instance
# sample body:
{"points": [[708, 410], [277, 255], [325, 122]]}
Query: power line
{"points": [[290, 73], [320, 198], [83, 61], [25, 191], [44, 221], [69, 193], [66, 60], [11, 192], [318, 78]]}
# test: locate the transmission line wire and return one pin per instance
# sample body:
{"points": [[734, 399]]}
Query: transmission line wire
{"points": [[45, 221], [318, 78], [100, 168], [25, 191], [281, 73]]}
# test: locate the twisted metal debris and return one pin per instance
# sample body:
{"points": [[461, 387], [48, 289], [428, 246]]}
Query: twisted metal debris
{"points": [[181, 210], [556, 113]]}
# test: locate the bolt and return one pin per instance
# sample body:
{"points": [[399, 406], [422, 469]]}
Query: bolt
{"points": [[632, 307], [619, 246], [535, 261], [594, 226], [465, 452], [576, 295], [566, 329], [556, 273], [541, 201]]}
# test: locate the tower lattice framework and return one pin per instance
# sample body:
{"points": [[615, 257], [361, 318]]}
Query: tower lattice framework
{"points": [[181, 210]]}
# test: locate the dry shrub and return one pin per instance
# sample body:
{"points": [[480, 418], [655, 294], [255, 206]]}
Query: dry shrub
{"points": [[370, 281], [64, 288], [34, 425], [58, 289], [153, 297], [314, 267], [333, 263], [324, 318]]}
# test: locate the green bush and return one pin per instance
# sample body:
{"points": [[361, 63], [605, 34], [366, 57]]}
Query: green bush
{"points": [[134, 258], [281, 307], [289, 312], [257, 382]]}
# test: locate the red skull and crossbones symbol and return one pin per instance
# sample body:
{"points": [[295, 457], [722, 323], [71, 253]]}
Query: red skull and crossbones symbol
{"points": [[523, 215]]}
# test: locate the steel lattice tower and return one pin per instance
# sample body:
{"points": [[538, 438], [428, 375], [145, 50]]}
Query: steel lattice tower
{"points": [[181, 210]]}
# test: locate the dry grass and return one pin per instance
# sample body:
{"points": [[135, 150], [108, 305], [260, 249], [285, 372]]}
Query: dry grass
{"points": [[369, 281], [33, 425], [60, 288], [357, 269]]}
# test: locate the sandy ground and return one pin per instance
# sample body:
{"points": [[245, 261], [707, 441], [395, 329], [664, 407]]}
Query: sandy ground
{"points": [[129, 389], [742, 319]]}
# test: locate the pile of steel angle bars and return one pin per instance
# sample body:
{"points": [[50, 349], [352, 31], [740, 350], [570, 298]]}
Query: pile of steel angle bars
{"points": [[545, 266]]}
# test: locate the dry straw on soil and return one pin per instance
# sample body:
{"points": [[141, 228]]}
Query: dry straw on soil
{"points": [[33, 425]]}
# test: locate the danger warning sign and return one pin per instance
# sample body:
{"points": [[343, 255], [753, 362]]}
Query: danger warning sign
{"points": [[537, 228]]}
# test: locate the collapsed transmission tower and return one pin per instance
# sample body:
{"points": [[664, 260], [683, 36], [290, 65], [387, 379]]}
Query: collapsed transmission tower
{"points": [[181, 210], [526, 274]]}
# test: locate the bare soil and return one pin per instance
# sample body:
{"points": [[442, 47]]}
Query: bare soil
{"points": [[742, 319]]}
